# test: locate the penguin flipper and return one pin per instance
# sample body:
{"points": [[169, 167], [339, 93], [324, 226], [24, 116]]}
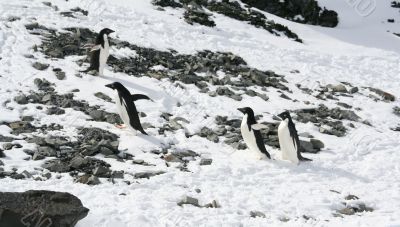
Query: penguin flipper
{"points": [[136, 97], [260, 143], [134, 120]]}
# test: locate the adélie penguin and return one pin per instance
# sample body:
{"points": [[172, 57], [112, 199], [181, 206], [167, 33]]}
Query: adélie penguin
{"points": [[251, 133], [126, 107], [289, 141], [100, 52]]}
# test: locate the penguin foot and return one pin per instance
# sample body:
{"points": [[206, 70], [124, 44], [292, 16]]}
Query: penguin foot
{"points": [[120, 126]]}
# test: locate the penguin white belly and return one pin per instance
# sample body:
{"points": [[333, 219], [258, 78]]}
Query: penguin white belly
{"points": [[104, 53], [250, 139], [122, 111], [288, 149]]}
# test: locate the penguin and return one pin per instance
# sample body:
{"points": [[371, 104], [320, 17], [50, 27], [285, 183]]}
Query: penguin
{"points": [[100, 52], [289, 141], [126, 107], [251, 133]]}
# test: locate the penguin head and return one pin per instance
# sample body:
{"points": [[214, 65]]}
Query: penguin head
{"points": [[284, 115], [116, 86], [106, 31], [246, 110]]}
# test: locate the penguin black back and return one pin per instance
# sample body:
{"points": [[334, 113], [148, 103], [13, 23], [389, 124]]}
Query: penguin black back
{"points": [[127, 101], [251, 120], [294, 135]]}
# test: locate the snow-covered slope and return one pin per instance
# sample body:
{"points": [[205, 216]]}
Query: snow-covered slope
{"points": [[364, 162]]}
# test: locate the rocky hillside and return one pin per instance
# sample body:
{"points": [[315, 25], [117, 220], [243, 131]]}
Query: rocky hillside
{"points": [[198, 61]]}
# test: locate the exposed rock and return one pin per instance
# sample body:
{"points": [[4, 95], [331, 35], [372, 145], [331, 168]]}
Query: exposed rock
{"points": [[7, 146], [101, 171], [209, 134], [148, 174], [21, 99], [56, 166], [257, 214], [55, 111], [45, 207], [88, 179], [40, 66], [213, 204], [59, 73], [103, 96], [338, 88], [351, 197], [205, 161], [19, 127], [187, 200], [317, 144], [305, 11], [353, 90], [385, 95], [195, 15], [165, 3], [347, 211], [396, 110]]}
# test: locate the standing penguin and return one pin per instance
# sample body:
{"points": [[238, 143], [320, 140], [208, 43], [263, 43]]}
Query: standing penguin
{"points": [[251, 133], [100, 52], [289, 139], [126, 107]]}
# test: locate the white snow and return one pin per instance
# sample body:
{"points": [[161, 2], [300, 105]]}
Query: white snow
{"points": [[366, 162]]}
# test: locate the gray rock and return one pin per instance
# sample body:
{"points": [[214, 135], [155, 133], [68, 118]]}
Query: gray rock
{"points": [[103, 96], [117, 174], [37, 156], [213, 204], [385, 95], [21, 99], [1, 162], [187, 200], [148, 174], [56, 166], [351, 197], [353, 90], [88, 179], [55, 111], [106, 151], [317, 144], [7, 146], [396, 110], [51, 208], [339, 88], [257, 214], [308, 147], [77, 162], [40, 66], [101, 171], [205, 161], [347, 211]]}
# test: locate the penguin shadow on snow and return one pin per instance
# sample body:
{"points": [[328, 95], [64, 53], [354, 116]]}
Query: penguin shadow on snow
{"points": [[166, 98], [149, 138], [154, 94], [315, 168]]}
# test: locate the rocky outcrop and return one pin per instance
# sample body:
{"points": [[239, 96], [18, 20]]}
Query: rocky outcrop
{"points": [[302, 11], [40, 208]]}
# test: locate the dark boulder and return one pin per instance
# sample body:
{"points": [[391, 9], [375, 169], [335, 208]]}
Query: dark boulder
{"points": [[40, 208]]}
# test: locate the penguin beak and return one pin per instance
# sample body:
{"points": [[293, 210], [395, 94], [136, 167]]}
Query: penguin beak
{"points": [[241, 110], [110, 86], [111, 31]]}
